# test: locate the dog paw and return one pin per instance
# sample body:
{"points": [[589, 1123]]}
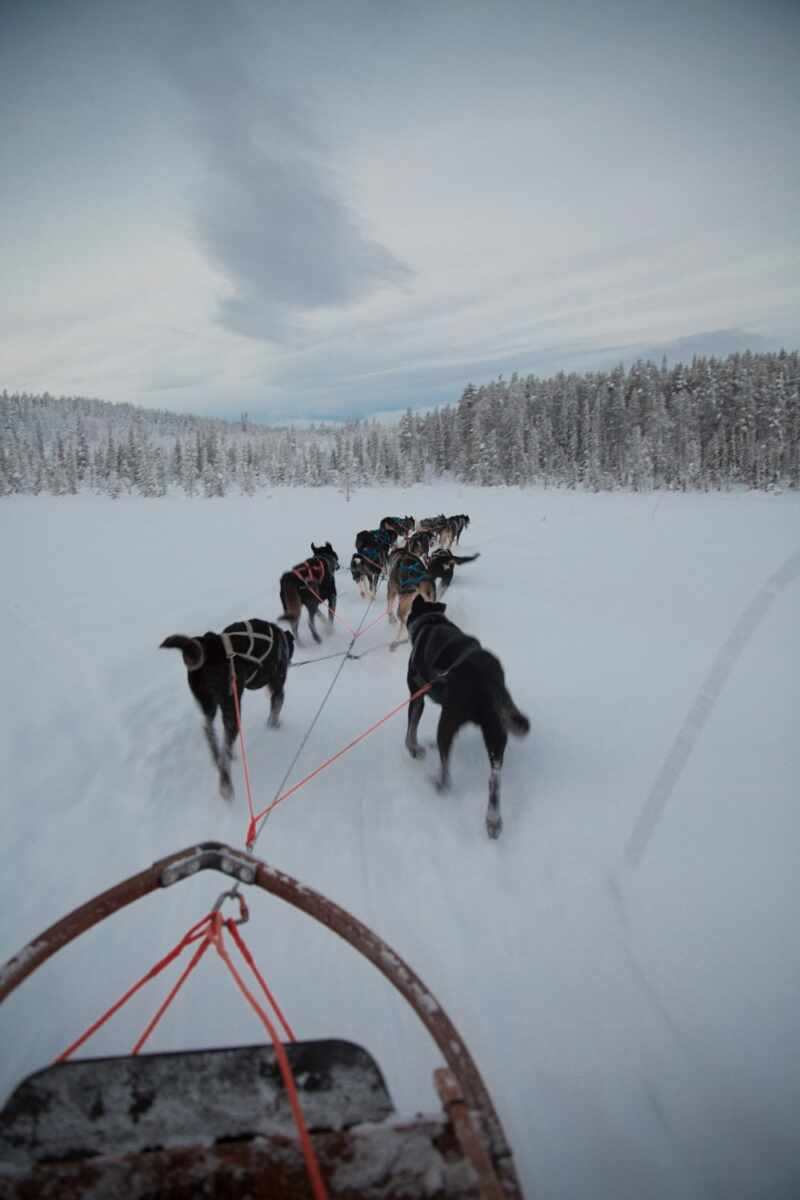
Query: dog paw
{"points": [[494, 826], [226, 789], [441, 785], [273, 723], [416, 751]]}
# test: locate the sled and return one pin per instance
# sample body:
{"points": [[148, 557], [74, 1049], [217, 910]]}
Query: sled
{"points": [[217, 1122]]}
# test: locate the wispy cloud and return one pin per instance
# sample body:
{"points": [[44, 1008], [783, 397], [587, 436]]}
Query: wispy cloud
{"points": [[270, 215], [313, 209]]}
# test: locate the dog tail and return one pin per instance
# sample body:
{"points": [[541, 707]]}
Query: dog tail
{"points": [[290, 599], [513, 720], [465, 558], [191, 648]]}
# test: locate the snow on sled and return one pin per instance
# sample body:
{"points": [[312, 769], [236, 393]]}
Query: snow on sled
{"points": [[223, 1122]]}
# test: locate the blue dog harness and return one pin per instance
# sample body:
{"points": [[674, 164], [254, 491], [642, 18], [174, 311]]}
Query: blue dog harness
{"points": [[411, 574]]}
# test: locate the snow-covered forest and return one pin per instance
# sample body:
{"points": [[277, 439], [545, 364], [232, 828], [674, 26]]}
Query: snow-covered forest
{"points": [[712, 424]]}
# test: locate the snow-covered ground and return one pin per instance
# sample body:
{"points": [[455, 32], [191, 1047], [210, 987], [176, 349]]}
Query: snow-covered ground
{"points": [[636, 1019]]}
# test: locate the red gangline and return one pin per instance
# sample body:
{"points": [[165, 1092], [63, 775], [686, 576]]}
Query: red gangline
{"points": [[195, 959], [259, 817], [355, 633], [379, 617], [244, 950], [312, 1164], [241, 739], [151, 974]]}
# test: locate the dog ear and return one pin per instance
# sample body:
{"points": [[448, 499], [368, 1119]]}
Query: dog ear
{"points": [[421, 605]]}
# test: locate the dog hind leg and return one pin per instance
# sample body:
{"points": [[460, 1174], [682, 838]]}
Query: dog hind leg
{"points": [[275, 706], [391, 596], [446, 732], [312, 612], [403, 609], [276, 689], [495, 739], [231, 733], [209, 708], [415, 709], [211, 738]]}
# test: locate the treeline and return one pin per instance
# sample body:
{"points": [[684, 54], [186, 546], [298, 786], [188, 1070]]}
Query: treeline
{"points": [[713, 424]]}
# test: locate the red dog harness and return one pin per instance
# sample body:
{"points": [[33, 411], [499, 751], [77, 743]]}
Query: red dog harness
{"points": [[312, 571]]}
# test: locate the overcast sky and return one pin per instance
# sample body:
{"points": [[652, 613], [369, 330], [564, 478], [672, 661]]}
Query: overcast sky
{"points": [[330, 209]]}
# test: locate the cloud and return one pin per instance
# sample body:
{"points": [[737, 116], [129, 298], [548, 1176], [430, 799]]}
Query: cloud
{"points": [[308, 209], [269, 215]]}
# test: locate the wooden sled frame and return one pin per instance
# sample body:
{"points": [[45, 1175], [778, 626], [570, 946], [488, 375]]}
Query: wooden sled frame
{"points": [[462, 1091]]}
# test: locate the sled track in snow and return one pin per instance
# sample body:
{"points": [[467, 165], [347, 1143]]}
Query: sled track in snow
{"points": [[710, 691]]}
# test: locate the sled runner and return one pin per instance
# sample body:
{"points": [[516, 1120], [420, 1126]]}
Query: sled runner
{"points": [[218, 1123]]}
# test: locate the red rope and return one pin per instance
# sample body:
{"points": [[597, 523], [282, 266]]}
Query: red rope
{"points": [[379, 617], [256, 819], [195, 959], [309, 1154], [245, 768], [151, 974], [355, 633], [319, 600], [247, 956], [210, 929]]}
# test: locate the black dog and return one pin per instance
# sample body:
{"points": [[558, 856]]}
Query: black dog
{"points": [[309, 584], [442, 563], [375, 544], [258, 653], [461, 522], [434, 525], [399, 526], [452, 529], [366, 570], [470, 685]]}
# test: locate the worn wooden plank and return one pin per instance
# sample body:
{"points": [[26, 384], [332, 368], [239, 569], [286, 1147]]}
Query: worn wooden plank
{"points": [[125, 1105]]}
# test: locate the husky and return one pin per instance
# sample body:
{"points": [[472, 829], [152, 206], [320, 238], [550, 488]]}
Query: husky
{"points": [[442, 563], [420, 543], [469, 684], [366, 570], [307, 585], [451, 530], [433, 525], [408, 577], [257, 653], [376, 544], [399, 526]]}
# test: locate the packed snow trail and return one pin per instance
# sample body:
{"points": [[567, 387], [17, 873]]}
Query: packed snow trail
{"points": [[637, 1044]]}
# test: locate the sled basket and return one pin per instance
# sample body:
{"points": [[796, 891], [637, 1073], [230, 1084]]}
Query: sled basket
{"points": [[217, 1123]]}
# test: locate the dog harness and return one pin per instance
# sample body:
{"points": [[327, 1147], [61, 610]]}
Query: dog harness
{"points": [[312, 571], [248, 653], [372, 553], [411, 574], [427, 670]]}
